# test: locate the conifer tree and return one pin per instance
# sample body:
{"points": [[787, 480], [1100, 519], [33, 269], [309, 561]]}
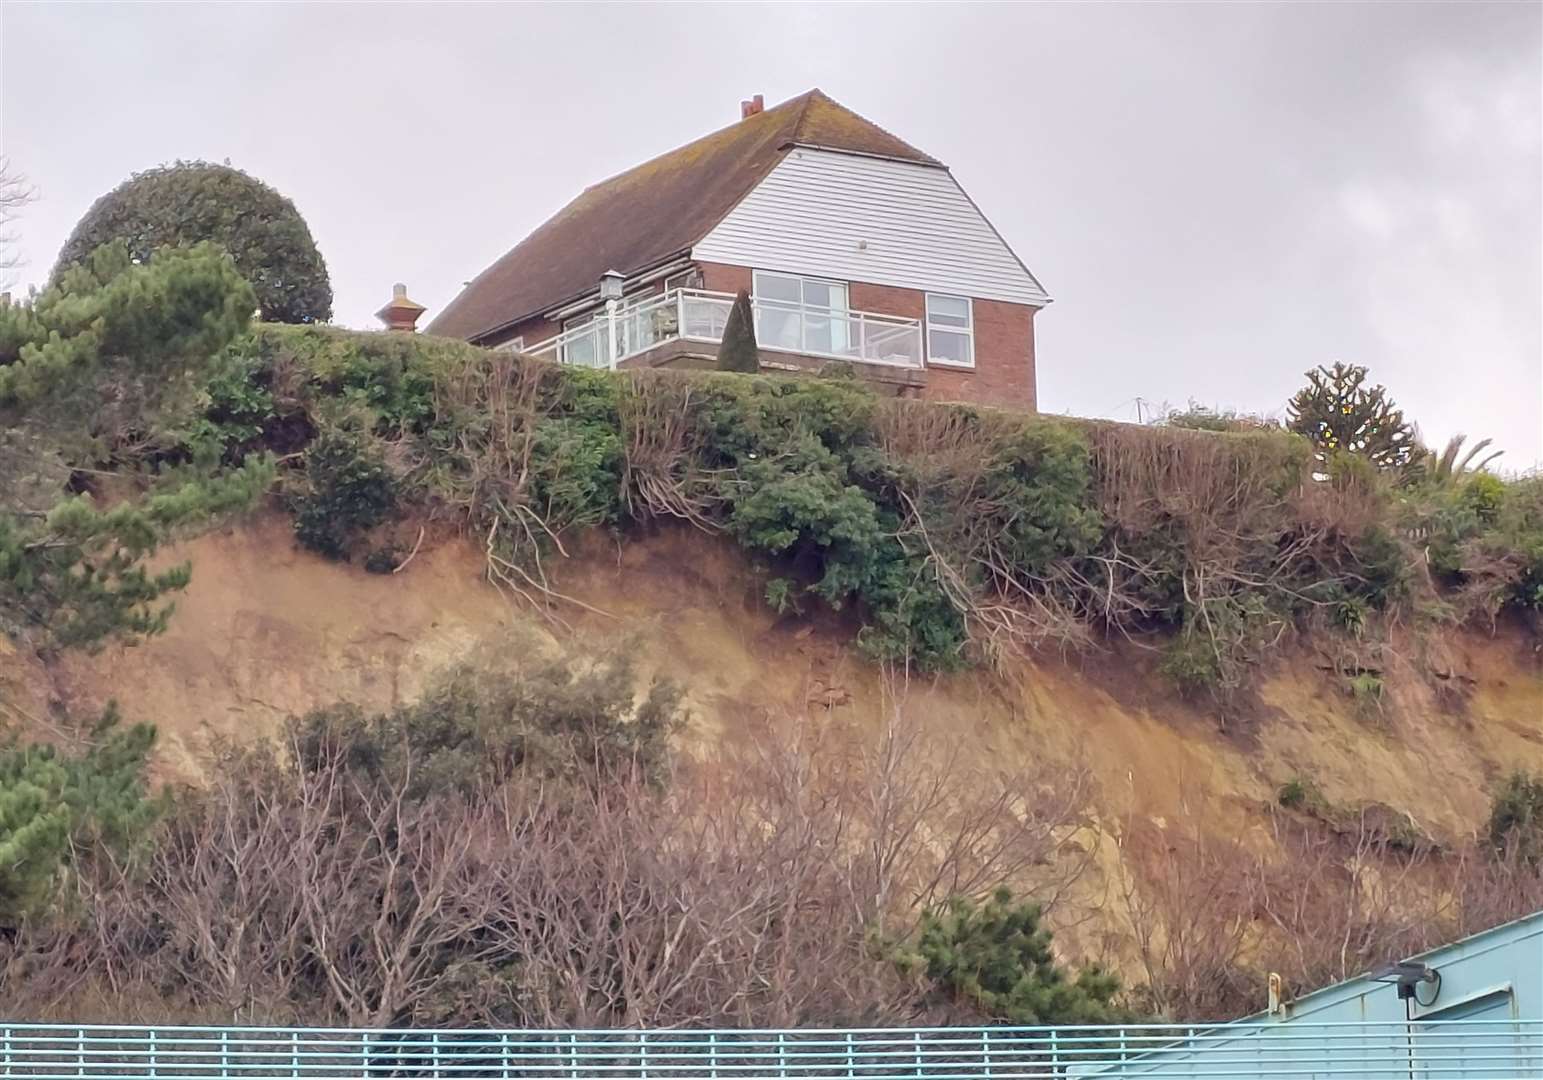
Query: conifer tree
{"points": [[738, 350], [996, 957], [57, 808], [142, 337], [1342, 415]]}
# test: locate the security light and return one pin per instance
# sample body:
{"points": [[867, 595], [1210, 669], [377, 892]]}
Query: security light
{"points": [[1407, 975]]}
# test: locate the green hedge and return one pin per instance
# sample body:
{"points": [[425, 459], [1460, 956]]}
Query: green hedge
{"points": [[949, 532]]}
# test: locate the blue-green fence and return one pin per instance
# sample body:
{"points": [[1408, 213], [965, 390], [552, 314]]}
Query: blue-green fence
{"points": [[1470, 1050]]}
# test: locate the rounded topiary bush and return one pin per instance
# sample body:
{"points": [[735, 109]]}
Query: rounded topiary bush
{"points": [[191, 201]]}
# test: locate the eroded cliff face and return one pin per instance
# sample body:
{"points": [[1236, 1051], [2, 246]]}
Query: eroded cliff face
{"points": [[267, 630]]}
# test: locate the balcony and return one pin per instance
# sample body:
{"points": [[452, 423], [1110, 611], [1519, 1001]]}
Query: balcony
{"points": [[695, 315]]}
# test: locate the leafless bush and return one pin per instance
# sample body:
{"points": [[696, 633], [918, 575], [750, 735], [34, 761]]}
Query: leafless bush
{"points": [[1191, 901], [763, 884], [661, 453]]}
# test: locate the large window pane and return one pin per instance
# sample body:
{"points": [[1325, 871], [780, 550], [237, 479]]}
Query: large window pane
{"points": [[950, 346]]}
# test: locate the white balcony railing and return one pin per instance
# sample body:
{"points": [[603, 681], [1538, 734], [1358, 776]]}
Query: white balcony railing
{"points": [[696, 315]]}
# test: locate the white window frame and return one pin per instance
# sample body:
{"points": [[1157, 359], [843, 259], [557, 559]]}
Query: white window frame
{"points": [[514, 344], [967, 330], [805, 311], [690, 278]]}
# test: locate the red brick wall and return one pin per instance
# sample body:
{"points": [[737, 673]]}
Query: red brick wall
{"points": [[717, 277], [1004, 347], [1004, 338], [1004, 361]]}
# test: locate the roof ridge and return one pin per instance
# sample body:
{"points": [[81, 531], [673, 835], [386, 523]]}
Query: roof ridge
{"points": [[803, 110]]}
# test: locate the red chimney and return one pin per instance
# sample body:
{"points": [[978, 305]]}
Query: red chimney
{"points": [[747, 109], [401, 314]]}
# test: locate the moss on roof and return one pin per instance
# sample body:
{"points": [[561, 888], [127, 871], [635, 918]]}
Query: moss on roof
{"points": [[660, 208]]}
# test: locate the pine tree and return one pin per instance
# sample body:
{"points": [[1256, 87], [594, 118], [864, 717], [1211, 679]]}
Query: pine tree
{"points": [[738, 350], [1341, 415], [57, 809], [996, 957], [142, 337]]}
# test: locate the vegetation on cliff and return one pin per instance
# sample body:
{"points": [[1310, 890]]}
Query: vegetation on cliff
{"points": [[950, 533], [525, 848]]}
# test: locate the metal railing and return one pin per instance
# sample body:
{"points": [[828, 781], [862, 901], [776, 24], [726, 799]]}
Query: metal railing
{"points": [[697, 315], [1469, 1049]]}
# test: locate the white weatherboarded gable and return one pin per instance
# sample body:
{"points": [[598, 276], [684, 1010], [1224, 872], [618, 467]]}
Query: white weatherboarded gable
{"points": [[855, 218]]}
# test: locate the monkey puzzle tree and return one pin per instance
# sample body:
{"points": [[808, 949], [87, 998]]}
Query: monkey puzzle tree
{"points": [[193, 201], [1342, 415]]}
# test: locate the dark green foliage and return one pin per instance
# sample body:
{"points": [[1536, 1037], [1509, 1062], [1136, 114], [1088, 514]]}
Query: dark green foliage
{"points": [[78, 575], [56, 808], [349, 491], [1516, 817], [1298, 793], [996, 957], [1342, 415], [738, 350], [576, 453], [194, 201], [143, 338], [1191, 663], [148, 325], [238, 409], [919, 522], [479, 728]]}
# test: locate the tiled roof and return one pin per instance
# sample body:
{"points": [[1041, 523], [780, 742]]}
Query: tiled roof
{"points": [[658, 209]]}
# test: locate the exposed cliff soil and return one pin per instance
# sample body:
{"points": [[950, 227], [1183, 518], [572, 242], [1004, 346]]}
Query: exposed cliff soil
{"points": [[267, 630]]}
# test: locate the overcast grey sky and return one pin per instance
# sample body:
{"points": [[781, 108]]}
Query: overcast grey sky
{"points": [[1218, 196]]}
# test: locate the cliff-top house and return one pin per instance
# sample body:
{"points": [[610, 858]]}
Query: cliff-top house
{"points": [[854, 245]]}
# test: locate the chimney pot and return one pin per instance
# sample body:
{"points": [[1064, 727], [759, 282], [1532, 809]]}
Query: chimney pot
{"points": [[401, 314], [747, 109]]}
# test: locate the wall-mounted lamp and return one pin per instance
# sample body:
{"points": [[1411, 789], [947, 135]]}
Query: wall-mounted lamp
{"points": [[1408, 976]]}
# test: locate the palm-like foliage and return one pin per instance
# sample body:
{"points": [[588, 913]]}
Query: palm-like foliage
{"points": [[1448, 468]]}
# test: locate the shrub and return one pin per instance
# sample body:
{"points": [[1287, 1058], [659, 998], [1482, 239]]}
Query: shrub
{"points": [[1191, 664], [478, 728], [1197, 417], [1516, 817], [190, 202], [349, 491], [996, 957], [1300, 793]]}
